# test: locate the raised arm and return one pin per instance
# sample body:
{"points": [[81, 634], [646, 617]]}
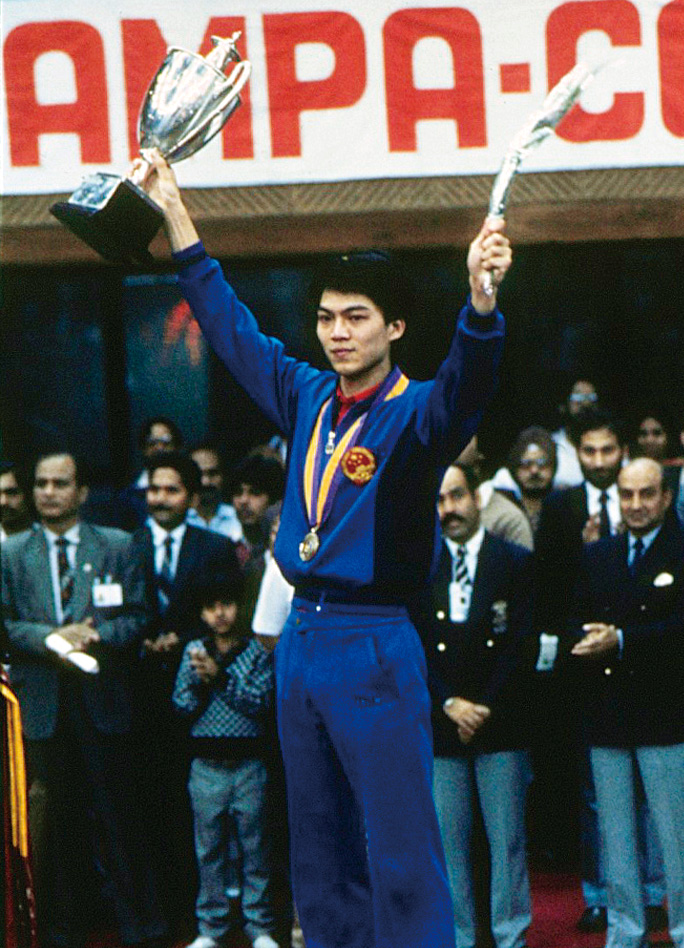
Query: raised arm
{"points": [[256, 361], [467, 379], [156, 177]]}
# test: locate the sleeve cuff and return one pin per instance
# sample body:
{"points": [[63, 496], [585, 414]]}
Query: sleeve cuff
{"points": [[477, 321], [189, 255]]}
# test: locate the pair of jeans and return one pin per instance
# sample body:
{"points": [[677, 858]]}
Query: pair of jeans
{"points": [[225, 795]]}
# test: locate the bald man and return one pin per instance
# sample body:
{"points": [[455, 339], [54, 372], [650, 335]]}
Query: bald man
{"points": [[629, 660]]}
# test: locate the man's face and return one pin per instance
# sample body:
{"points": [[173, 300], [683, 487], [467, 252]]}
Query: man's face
{"points": [[168, 499], [652, 439], [600, 457], [458, 509], [250, 504], [643, 501], [56, 494], [160, 438], [534, 474], [582, 396], [13, 511], [212, 478], [220, 616], [354, 335]]}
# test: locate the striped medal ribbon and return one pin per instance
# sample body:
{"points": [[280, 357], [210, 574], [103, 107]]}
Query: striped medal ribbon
{"points": [[322, 478]]}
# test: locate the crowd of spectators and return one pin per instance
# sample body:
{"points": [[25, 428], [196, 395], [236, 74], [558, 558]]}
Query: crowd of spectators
{"points": [[140, 647]]}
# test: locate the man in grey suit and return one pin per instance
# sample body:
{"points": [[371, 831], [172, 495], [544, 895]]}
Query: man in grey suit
{"points": [[83, 586]]}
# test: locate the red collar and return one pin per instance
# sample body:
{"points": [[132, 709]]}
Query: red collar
{"points": [[345, 402]]}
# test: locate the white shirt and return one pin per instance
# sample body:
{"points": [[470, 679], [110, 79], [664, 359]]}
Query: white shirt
{"points": [[224, 521], [159, 536], [273, 604], [72, 536], [612, 503], [472, 552]]}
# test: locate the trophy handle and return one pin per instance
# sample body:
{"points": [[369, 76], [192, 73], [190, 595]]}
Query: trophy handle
{"points": [[237, 80]]}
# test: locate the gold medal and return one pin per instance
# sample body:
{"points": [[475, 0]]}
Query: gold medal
{"points": [[309, 546], [359, 465]]}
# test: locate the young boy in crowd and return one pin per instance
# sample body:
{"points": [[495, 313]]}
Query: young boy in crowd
{"points": [[225, 688]]}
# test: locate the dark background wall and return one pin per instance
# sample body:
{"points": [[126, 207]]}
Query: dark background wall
{"points": [[87, 353]]}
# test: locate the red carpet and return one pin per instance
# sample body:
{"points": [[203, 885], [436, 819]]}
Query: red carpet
{"points": [[557, 904]]}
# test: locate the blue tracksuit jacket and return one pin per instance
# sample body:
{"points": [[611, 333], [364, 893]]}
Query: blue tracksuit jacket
{"points": [[383, 537]]}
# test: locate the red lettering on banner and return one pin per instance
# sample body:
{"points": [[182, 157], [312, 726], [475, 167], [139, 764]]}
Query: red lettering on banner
{"points": [[144, 49], [288, 96], [671, 48], [406, 105], [566, 24], [87, 117]]}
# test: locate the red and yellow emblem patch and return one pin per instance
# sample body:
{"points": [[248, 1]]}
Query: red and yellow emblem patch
{"points": [[359, 465]]}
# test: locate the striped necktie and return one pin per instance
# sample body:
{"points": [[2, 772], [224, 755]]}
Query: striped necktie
{"points": [[460, 568], [165, 575], [66, 579]]}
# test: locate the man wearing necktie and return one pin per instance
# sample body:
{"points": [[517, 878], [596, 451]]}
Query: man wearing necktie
{"points": [[480, 619], [358, 539], [86, 584], [628, 622], [177, 557], [571, 520]]}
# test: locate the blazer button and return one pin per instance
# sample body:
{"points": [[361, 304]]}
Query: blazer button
{"points": [[642, 607], [490, 643], [441, 647], [607, 671], [440, 614]]}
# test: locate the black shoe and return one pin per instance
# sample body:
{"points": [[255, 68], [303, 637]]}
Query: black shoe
{"points": [[656, 918], [593, 920]]}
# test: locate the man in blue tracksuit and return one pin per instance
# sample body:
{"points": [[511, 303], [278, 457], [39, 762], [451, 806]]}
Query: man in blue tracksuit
{"points": [[358, 539]]}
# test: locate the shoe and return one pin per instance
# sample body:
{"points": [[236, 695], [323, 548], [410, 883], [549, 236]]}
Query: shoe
{"points": [[204, 941], [593, 919], [656, 918], [264, 941]]}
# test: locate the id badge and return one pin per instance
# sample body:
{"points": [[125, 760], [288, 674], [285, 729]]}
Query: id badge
{"points": [[457, 603], [107, 595]]}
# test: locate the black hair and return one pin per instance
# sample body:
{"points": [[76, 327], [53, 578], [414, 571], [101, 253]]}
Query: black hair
{"points": [[147, 426], [471, 476], [218, 587], [371, 273], [596, 419], [535, 434], [20, 475], [265, 475], [183, 464]]}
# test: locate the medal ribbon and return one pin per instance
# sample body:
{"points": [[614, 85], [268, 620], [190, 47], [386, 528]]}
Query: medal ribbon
{"points": [[321, 482]]}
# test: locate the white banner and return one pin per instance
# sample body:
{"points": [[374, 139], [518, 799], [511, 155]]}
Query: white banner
{"points": [[357, 89]]}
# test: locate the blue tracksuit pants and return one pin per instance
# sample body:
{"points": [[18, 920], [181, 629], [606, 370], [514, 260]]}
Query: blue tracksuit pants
{"points": [[354, 721]]}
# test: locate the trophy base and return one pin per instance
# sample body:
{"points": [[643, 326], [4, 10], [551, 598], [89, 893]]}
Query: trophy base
{"points": [[113, 216]]}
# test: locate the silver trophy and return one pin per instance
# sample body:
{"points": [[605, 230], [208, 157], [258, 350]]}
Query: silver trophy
{"points": [[188, 102], [538, 127]]}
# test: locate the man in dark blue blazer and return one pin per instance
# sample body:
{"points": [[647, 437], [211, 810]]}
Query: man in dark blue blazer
{"points": [[629, 664], [570, 520], [475, 643], [177, 557]]}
